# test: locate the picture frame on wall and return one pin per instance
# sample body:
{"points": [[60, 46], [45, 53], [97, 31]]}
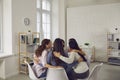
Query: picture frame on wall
{"points": [[36, 40], [24, 39], [110, 37]]}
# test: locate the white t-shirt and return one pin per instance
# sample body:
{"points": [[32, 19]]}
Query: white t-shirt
{"points": [[73, 56], [42, 58], [37, 68]]}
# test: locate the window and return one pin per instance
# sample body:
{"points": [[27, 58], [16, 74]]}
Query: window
{"points": [[0, 25], [44, 18]]}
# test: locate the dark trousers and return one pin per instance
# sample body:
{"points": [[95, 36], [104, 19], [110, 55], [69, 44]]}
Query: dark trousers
{"points": [[74, 76], [43, 74]]}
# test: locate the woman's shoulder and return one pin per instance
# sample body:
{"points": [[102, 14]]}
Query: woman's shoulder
{"points": [[49, 55], [44, 51], [72, 52]]}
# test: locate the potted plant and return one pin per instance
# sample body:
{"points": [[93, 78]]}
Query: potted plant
{"points": [[87, 44]]}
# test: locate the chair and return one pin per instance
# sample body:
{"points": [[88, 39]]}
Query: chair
{"points": [[56, 74], [88, 57], [94, 72], [31, 73]]}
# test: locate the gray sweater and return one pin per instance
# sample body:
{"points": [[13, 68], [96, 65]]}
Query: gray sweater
{"points": [[73, 56]]}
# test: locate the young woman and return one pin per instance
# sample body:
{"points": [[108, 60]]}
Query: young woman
{"points": [[81, 71], [57, 47], [40, 56]]}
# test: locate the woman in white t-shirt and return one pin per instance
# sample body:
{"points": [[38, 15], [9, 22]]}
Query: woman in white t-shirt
{"points": [[81, 70], [40, 56]]}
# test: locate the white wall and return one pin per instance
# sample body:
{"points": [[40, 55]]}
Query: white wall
{"points": [[7, 27], [64, 4], [55, 19], [91, 24], [58, 18], [7, 35], [2, 69], [75, 3], [62, 16], [20, 10], [14, 11]]}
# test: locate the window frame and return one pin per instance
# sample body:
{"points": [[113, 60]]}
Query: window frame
{"points": [[1, 26], [41, 12]]}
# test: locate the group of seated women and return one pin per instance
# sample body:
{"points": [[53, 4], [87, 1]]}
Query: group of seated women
{"points": [[72, 60]]}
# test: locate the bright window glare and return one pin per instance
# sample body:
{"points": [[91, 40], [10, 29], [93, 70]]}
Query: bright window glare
{"points": [[43, 18]]}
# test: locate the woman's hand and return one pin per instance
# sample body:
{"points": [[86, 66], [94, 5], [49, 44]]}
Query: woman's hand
{"points": [[47, 65], [79, 51], [75, 50], [57, 54], [80, 60], [36, 60]]}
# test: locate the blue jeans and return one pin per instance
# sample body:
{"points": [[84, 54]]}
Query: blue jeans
{"points": [[43, 74], [74, 76]]}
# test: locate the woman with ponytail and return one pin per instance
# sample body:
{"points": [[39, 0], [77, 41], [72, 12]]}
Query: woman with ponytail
{"points": [[40, 63], [79, 71]]}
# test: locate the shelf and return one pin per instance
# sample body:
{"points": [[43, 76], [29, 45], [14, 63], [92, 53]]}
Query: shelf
{"points": [[113, 33], [27, 55], [114, 49], [113, 60], [113, 56], [27, 44], [30, 62], [113, 41], [22, 52], [114, 63]]}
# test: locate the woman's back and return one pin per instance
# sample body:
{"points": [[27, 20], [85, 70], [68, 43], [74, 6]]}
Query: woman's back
{"points": [[51, 60], [73, 57]]}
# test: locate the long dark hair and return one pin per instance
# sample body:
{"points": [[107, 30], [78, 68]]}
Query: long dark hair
{"points": [[42, 47], [74, 45], [58, 47]]}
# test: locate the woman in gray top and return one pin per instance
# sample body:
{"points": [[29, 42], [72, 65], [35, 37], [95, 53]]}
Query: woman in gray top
{"points": [[81, 70]]}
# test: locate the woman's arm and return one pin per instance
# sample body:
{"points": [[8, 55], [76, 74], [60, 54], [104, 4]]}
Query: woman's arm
{"points": [[50, 66], [49, 57], [36, 60], [68, 60], [44, 58], [76, 62], [79, 51]]}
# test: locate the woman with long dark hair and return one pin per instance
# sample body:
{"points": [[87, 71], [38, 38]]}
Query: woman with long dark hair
{"points": [[57, 47], [40, 57], [81, 70]]}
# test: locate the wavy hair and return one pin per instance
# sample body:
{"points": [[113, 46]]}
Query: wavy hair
{"points": [[74, 45], [42, 47]]}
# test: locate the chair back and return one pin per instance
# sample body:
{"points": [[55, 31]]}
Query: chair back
{"points": [[56, 74], [94, 73], [31, 72]]}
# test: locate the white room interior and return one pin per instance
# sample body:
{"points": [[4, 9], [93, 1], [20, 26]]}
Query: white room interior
{"points": [[91, 18]]}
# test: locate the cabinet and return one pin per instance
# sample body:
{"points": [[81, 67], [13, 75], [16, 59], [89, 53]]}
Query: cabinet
{"points": [[113, 48], [27, 43]]}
